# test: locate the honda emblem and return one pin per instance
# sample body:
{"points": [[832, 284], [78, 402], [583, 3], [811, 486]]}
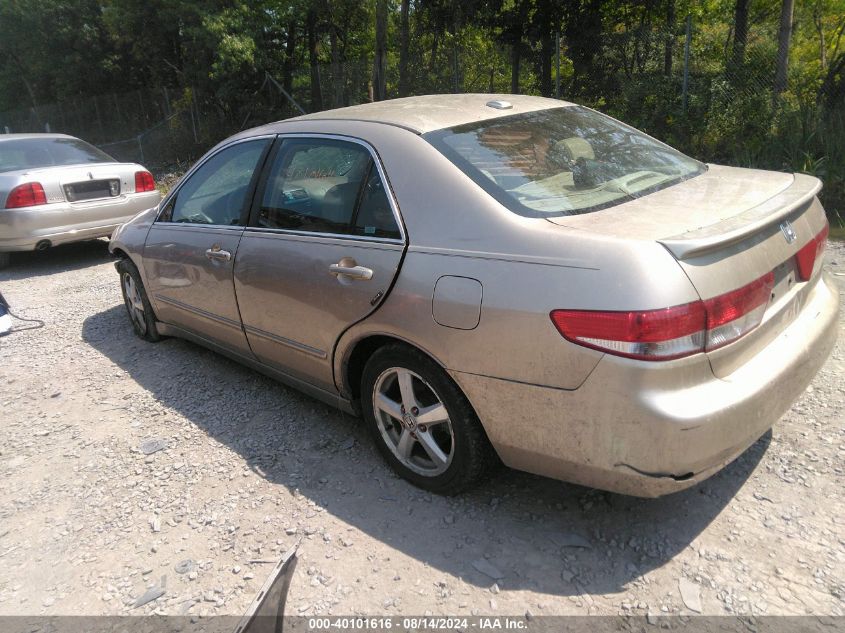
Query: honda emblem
{"points": [[788, 232]]}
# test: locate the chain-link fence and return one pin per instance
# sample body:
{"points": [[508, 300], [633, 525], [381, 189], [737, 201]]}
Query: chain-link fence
{"points": [[151, 127], [161, 127], [693, 101], [98, 118]]}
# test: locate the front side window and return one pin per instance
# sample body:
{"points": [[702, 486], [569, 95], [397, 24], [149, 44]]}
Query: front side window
{"points": [[562, 161], [216, 192], [326, 186]]}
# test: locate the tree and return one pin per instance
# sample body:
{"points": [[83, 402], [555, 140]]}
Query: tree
{"points": [[290, 60], [545, 24], [404, 20], [54, 50], [740, 33], [512, 20], [311, 27], [583, 29], [670, 38], [380, 57], [338, 79], [784, 39], [832, 91]]}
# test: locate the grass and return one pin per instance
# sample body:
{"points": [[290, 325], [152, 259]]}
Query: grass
{"points": [[837, 232]]}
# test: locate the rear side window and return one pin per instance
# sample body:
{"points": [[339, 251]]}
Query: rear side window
{"points": [[216, 192], [562, 161], [326, 186], [374, 216], [32, 153]]}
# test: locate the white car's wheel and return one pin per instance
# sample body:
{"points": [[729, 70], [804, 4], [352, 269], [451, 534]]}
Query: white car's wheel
{"points": [[5, 258]]}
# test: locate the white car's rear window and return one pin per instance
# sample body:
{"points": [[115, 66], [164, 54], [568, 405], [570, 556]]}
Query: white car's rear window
{"points": [[33, 153], [562, 161]]}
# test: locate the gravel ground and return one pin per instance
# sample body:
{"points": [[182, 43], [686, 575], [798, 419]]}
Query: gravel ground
{"points": [[89, 521]]}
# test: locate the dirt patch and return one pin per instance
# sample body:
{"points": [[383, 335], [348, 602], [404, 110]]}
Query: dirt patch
{"points": [[93, 517]]}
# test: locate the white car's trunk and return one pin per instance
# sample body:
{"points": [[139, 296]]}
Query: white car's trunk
{"points": [[78, 183]]}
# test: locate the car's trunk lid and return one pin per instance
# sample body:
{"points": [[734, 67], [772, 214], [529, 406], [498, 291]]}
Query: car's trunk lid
{"points": [[727, 228], [81, 183], [718, 195]]}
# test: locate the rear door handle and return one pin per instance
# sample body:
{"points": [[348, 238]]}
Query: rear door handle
{"points": [[219, 255], [353, 272]]}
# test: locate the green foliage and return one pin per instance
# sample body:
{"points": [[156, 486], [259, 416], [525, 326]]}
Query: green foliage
{"points": [[624, 57], [52, 49]]}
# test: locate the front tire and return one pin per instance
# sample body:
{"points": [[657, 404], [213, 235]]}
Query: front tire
{"points": [[138, 306], [423, 425], [5, 258]]}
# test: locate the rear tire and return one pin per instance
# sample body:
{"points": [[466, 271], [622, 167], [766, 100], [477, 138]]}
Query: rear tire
{"points": [[5, 259], [423, 425], [137, 304]]}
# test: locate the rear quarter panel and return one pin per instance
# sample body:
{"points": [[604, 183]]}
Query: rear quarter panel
{"points": [[515, 338]]}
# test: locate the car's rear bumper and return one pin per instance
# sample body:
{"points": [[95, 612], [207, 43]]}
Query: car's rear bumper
{"points": [[58, 223], [649, 429]]}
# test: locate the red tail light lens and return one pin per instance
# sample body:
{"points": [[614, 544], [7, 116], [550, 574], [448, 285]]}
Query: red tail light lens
{"points": [[810, 252], [29, 195], [144, 181], [671, 332], [646, 335]]}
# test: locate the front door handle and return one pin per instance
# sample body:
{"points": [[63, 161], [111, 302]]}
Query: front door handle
{"points": [[219, 255], [352, 271]]}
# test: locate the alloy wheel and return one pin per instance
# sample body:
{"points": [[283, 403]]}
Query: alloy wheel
{"points": [[413, 421], [134, 303]]}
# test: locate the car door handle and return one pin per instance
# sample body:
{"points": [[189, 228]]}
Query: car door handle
{"points": [[353, 272], [223, 256]]}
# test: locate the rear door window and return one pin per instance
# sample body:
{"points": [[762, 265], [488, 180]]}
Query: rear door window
{"points": [[330, 186], [374, 216]]}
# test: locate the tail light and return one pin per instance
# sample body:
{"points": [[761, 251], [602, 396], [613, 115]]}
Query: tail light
{"points": [[673, 332], [30, 194], [646, 335], [736, 313], [810, 252], [144, 181]]}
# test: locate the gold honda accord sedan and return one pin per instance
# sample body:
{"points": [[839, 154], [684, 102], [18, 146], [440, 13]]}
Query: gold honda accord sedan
{"points": [[491, 278]]}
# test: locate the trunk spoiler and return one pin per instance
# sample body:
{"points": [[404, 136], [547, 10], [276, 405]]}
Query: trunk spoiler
{"points": [[717, 236]]}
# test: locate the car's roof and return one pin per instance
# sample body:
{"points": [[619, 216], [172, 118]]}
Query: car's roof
{"points": [[17, 137], [434, 112]]}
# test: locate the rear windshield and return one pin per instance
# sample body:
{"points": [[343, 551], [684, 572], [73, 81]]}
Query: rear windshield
{"points": [[563, 161], [30, 153]]}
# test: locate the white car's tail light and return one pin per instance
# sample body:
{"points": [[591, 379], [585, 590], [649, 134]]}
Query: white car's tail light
{"points": [[672, 332], [144, 181], [30, 194], [812, 251]]}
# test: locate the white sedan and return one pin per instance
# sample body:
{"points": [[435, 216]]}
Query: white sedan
{"points": [[56, 189]]}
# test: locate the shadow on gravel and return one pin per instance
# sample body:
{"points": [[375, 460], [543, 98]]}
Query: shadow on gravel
{"points": [[54, 260], [536, 533]]}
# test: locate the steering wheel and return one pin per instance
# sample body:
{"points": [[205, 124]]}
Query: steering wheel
{"points": [[225, 210], [197, 217]]}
